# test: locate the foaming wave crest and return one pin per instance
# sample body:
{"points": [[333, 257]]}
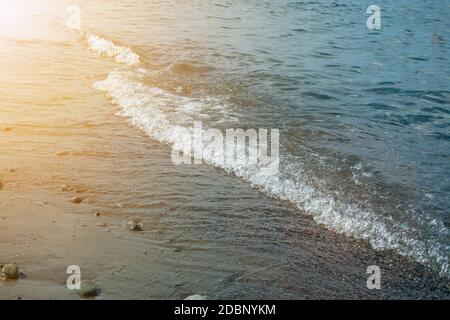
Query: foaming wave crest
{"points": [[151, 109], [144, 106], [106, 47]]}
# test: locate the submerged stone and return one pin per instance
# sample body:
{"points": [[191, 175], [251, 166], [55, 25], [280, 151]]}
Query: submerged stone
{"points": [[135, 225], [76, 200], [10, 271], [88, 289]]}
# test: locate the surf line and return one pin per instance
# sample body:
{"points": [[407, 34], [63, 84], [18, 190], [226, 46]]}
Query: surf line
{"points": [[235, 148]]}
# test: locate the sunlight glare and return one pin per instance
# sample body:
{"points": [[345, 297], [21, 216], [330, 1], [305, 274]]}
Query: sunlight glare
{"points": [[16, 17]]}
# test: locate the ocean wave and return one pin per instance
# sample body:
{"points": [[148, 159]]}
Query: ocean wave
{"points": [[103, 46], [146, 108], [185, 67]]}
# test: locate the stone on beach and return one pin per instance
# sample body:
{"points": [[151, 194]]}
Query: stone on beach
{"points": [[10, 271], [88, 289], [196, 297], [135, 225], [76, 200]]}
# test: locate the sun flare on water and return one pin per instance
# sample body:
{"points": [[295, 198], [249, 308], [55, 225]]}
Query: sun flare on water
{"points": [[16, 17]]}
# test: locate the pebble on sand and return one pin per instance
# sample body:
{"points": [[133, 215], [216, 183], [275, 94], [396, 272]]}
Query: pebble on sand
{"points": [[76, 200], [135, 225], [1, 185], [10, 271], [196, 297], [88, 289]]}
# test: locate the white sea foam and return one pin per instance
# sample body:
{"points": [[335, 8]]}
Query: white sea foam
{"points": [[162, 116], [151, 109], [106, 47]]}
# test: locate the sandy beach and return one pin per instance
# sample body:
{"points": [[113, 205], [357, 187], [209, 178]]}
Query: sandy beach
{"points": [[254, 253], [89, 119]]}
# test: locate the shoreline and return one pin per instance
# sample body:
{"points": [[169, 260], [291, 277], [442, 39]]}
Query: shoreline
{"points": [[94, 97], [44, 232]]}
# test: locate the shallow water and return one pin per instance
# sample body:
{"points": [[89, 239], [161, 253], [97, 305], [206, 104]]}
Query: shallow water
{"points": [[363, 118]]}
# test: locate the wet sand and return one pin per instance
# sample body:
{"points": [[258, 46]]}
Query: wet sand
{"points": [[205, 232], [239, 244]]}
